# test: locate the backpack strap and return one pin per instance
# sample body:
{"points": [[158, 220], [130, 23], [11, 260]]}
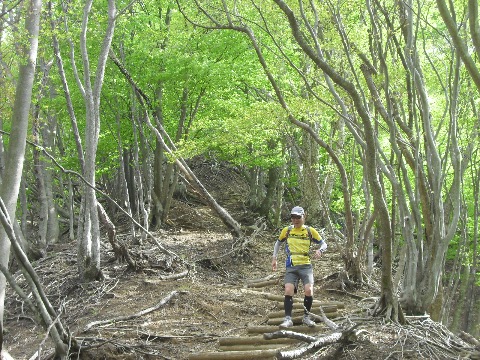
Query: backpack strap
{"points": [[287, 233], [309, 236], [291, 227], [309, 233]]}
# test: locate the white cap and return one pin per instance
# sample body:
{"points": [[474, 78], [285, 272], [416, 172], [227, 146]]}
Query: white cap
{"points": [[297, 210]]}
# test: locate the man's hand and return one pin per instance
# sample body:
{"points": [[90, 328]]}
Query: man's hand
{"points": [[274, 263], [317, 254]]}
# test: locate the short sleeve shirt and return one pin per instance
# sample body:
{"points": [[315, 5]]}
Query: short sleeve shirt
{"points": [[298, 243]]}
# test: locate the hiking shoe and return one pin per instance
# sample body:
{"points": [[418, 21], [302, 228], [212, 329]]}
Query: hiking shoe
{"points": [[307, 321], [287, 322]]}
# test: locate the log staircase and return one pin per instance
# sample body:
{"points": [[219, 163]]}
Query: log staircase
{"points": [[252, 345]]}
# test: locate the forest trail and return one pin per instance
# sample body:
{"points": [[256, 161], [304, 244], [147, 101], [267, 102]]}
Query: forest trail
{"points": [[215, 302], [220, 306], [212, 310], [252, 342]]}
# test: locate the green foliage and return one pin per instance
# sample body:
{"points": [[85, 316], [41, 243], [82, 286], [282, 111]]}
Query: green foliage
{"points": [[231, 109], [245, 134]]}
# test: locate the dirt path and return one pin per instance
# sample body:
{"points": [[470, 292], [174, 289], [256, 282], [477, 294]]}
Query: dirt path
{"points": [[211, 305]]}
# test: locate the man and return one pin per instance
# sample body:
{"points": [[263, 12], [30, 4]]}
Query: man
{"points": [[298, 239]]}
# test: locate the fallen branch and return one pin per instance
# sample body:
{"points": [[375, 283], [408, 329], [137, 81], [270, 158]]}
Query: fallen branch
{"points": [[313, 345], [159, 337], [129, 317], [266, 278], [166, 277], [331, 325], [174, 276], [297, 319], [289, 334], [469, 339], [280, 299], [299, 309]]}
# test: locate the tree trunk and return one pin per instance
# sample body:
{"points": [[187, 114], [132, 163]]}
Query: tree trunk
{"points": [[279, 191], [310, 175], [125, 182], [142, 179], [66, 90], [269, 200], [41, 243], [42, 128], [157, 207], [89, 232], [472, 325], [256, 185], [15, 154]]}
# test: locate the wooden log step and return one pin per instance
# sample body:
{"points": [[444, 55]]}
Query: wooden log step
{"points": [[299, 305], [296, 319], [234, 355], [269, 329], [266, 278], [299, 310], [316, 302], [263, 283], [253, 347], [253, 340]]}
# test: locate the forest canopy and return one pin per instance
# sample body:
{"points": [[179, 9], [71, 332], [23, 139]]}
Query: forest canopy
{"points": [[364, 112]]}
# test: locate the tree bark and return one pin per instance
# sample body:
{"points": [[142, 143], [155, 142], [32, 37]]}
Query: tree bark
{"points": [[15, 154], [45, 309], [88, 230]]}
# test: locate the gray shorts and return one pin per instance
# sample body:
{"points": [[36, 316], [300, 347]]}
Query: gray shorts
{"points": [[299, 272]]}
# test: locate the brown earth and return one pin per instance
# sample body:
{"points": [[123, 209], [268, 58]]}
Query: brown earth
{"points": [[210, 303]]}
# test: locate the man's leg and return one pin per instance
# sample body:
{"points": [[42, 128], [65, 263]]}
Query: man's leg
{"points": [[288, 301], [288, 305], [308, 301]]}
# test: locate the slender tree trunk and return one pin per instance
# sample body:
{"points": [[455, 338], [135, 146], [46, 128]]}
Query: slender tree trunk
{"points": [[142, 178], [472, 323], [255, 185], [272, 186], [279, 191], [66, 89], [73, 120], [89, 231], [39, 172], [310, 175], [124, 191], [157, 207], [15, 154], [459, 320], [71, 211], [24, 210]]}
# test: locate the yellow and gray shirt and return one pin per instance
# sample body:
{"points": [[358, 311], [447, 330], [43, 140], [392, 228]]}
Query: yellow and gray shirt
{"points": [[298, 241]]}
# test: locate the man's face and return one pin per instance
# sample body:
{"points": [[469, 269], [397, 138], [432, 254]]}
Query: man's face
{"points": [[297, 220]]}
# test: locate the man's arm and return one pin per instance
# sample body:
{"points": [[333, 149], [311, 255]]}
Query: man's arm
{"points": [[275, 253], [318, 241]]}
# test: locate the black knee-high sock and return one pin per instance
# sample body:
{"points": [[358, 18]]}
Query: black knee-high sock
{"points": [[288, 303], [307, 302]]}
